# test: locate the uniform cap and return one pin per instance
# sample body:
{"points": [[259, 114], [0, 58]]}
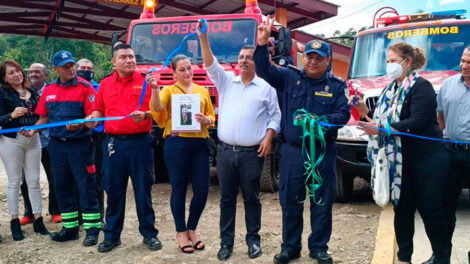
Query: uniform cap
{"points": [[62, 57], [317, 46]]}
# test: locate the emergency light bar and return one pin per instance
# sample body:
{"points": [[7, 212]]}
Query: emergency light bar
{"points": [[457, 14]]}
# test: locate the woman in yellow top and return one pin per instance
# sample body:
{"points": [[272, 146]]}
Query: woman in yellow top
{"points": [[186, 153]]}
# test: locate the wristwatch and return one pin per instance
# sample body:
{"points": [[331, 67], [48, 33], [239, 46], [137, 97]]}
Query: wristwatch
{"points": [[147, 115]]}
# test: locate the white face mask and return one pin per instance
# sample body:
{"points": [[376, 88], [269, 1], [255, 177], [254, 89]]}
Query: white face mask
{"points": [[394, 70]]}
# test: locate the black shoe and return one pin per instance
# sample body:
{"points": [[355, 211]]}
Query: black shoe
{"points": [[90, 240], [38, 227], [254, 251], [66, 234], [153, 243], [321, 257], [433, 260], [225, 252], [16, 231], [108, 245], [284, 257]]}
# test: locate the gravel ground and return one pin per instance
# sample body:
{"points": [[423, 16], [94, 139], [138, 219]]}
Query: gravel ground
{"points": [[353, 238]]}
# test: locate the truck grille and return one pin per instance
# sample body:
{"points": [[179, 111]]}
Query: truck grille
{"points": [[371, 102]]}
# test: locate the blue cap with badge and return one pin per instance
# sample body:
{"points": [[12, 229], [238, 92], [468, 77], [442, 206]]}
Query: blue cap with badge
{"points": [[317, 46], [62, 57]]}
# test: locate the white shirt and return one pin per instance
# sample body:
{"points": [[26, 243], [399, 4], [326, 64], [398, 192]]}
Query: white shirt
{"points": [[245, 112]]}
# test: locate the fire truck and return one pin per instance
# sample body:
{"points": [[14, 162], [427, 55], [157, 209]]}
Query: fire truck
{"points": [[152, 40], [441, 35]]}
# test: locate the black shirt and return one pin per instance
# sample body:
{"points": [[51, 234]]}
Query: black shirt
{"points": [[9, 100]]}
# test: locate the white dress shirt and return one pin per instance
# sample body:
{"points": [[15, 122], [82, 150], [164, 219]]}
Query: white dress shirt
{"points": [[245, 112]]}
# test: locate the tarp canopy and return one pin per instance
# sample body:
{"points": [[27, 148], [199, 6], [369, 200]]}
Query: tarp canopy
{"points": [[96, 20]]}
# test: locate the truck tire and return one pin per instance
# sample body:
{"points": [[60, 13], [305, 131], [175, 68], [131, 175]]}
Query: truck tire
{"points": [[269, 181], [344, 186]]}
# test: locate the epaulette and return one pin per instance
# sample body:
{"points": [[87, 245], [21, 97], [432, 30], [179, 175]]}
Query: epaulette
{"points": [[290, 66], [87, 84], [337, 78]]}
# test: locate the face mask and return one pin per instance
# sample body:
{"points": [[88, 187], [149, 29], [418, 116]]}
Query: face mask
{"points": [[87, 75], [394, 69]]}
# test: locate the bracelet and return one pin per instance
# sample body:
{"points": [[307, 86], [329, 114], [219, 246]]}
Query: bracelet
{"points": [[210, 122]]}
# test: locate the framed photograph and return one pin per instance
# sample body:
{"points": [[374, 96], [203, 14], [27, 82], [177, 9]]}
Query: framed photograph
{"points": [[183, 108]]}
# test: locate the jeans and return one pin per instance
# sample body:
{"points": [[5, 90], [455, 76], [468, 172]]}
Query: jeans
{"points": [[187, 159], [22, 154]]}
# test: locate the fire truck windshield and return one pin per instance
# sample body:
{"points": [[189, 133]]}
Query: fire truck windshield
{"points": [[153, 42], [443, 46]]}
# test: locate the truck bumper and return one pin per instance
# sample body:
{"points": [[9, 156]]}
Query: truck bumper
{"points": [[351, 157]]}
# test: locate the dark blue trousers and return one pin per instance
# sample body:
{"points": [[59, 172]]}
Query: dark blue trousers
{"points": [[132, 156], [292, 192], [187, 159], [74, 171], [239, 170]]}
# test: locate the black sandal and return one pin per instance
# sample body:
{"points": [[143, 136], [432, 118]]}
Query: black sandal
{"points": [[183, 249], [196, 245]]}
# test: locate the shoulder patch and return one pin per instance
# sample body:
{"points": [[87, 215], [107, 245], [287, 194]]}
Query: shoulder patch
{"points": [[87, 84]]}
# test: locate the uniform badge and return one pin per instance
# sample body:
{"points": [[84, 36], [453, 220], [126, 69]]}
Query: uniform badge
{"points": [[327, 88], [316, 44], [91, 98]]}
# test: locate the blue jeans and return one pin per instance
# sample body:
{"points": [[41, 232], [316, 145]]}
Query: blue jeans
{"points": [[187, 159]]}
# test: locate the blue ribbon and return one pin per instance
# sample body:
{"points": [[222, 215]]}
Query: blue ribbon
{"points": [[168, 58], [403, 134]]}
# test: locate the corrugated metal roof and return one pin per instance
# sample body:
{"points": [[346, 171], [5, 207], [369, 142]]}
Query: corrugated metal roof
{"points": [[96, 20]]}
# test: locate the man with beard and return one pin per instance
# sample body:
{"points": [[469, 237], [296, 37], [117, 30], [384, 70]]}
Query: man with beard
{"points": [[38, 75], [249, 116]]}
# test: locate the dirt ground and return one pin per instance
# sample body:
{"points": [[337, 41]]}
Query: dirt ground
{"points": [[353, 239]]}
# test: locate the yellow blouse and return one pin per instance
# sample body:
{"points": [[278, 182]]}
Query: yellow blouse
{"points": [[163, 118]]}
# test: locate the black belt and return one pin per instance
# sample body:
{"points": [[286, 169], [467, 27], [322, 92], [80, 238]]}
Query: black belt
{"points": [[239, 148], [459, 147], [69, 139], [128, 136]]}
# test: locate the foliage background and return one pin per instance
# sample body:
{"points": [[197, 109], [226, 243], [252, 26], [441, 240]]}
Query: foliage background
{"points": [[28, 49]]}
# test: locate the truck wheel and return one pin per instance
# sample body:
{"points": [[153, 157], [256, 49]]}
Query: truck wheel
{"points": [[344, 186], [269, 181]]}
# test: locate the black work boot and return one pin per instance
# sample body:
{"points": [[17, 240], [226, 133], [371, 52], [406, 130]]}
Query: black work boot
{"points": [[66, 234], [38, 227], [16, 231]]}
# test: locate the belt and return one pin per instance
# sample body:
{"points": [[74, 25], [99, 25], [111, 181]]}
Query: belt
{"points": [[68, 139], [460, 147], [238, 148], [128, 136]]}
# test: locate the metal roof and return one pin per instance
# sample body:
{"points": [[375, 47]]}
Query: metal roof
{"points": [[96, 20]]}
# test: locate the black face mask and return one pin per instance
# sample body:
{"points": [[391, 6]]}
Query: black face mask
{"points": [[87, 75]]}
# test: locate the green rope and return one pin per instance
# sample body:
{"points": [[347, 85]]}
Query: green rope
{"points": [[312, 130]]}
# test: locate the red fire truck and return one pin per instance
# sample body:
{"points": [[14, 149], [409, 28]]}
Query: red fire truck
{"points": [[152, 39], [442, 36]]}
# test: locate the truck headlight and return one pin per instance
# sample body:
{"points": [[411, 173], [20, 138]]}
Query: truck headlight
{"points": [[351, 133]]}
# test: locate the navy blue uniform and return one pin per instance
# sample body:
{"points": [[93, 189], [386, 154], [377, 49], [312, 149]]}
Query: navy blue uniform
{"points": [[325, 97], [71, 152]]}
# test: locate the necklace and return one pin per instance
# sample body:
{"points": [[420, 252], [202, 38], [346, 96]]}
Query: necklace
{"points": [[23, 93]]}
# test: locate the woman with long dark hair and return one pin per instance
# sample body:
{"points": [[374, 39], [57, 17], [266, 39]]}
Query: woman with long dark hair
{"points": [[19, 153]]}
